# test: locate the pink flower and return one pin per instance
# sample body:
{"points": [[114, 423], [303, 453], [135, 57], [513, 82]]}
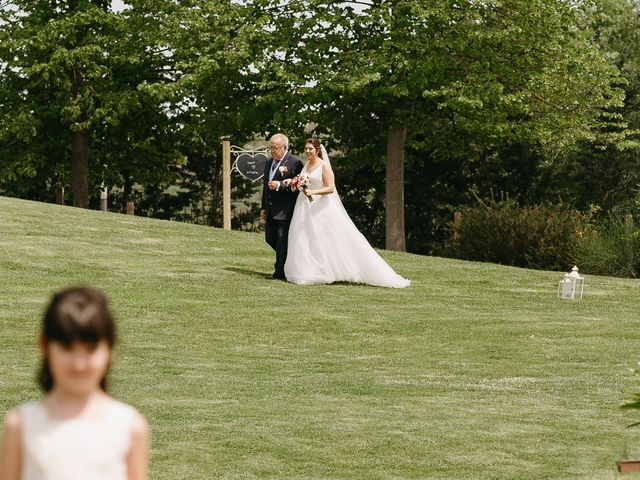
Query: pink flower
{"points": [[300, 183]]}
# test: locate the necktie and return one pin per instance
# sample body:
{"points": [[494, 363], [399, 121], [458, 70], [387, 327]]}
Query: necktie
{"points": [[274, 166]]}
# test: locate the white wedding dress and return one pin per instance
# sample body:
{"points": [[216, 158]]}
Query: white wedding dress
{"points": [[325, 246]]}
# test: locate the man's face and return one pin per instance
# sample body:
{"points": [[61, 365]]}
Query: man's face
{"points": [[277, 150]]}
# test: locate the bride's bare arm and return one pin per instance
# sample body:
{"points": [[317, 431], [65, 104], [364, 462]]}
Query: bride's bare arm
{"points": [[327, 179]]}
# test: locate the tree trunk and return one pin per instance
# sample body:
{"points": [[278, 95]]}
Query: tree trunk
{"points": [[215, 213], [80, 169], [394, 195], [127, 189]]}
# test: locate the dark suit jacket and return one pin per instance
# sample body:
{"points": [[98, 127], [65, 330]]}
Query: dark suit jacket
{"points": [[279, 203]]}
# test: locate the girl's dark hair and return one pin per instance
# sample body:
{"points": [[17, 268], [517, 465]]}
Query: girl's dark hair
{"points": [[76, 314], [315, 142]]}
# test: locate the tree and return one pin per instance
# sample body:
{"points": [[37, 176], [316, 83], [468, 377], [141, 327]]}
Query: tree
{"points": [[73, 77], [53, 55], [217, 51], [494, 72], [606, 172]]}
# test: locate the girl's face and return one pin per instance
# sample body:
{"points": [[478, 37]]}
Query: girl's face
{"points": [[79, 368], [309, 150]]}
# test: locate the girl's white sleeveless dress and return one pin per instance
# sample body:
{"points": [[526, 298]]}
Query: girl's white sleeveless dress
{"points": [[325, 246], [75, 449]]}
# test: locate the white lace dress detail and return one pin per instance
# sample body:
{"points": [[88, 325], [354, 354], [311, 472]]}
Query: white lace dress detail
{"points": [[325, 246]]}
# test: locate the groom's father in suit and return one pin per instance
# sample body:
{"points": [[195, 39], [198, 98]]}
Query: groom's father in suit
{"points": [[278, 200]]}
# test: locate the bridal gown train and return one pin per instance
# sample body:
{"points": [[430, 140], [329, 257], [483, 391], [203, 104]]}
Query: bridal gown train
{"points": [[325, 246]]}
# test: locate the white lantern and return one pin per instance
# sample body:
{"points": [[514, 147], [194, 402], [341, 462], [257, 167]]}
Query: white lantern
{"points": [[571, 285]]}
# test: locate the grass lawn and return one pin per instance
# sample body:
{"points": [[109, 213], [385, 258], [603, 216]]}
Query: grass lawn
{"points": [[476, 371]]}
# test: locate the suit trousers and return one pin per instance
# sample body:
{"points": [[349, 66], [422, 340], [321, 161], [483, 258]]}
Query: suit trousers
{"points": [[276, 233]]}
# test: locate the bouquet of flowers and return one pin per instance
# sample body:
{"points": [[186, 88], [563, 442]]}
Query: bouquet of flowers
{"points": [[301, 182]]}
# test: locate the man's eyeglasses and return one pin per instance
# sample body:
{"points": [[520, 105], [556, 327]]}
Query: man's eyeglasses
{"points": [[275, 147]]}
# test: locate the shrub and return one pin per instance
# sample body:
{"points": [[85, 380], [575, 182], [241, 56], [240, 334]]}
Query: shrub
{"points": [[503, 232], [612, 248]]}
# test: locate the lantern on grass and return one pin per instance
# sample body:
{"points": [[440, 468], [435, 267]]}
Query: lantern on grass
{"points": [[571, 285]]}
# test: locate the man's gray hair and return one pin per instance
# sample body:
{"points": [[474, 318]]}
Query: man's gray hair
{"points": [[281, 138]]}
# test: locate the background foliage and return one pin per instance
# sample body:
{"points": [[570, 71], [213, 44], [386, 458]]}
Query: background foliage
{"points": [[534, 99], [613, 249], [541, 237]]}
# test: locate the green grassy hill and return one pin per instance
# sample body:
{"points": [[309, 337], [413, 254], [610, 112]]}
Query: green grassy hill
{"points": [[475, 371]]}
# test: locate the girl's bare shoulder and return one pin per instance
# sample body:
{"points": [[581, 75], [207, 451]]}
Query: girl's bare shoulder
{"points": [[137, 419], [12, 420]]}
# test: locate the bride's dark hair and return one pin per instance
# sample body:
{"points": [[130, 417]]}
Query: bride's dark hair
{"points": [[316, 143]]}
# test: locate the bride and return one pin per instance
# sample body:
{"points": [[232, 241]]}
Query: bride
{"points": [[324, 244]]}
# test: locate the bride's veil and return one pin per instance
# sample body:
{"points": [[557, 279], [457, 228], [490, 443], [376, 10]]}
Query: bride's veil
{"points": [[325, 157]]}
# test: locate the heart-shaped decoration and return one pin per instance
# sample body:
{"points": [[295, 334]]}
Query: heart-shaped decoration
{"points": [[251, 166]]}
